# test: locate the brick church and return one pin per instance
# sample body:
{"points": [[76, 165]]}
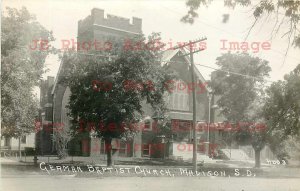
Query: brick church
{"points": [[146, 143]]}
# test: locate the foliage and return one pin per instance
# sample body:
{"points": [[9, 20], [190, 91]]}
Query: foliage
{"points": [[61, 139], [282, 110], [109, 89], [291, 9], [21, 70], [241, 97], [112, 112], [238, 93], [29, 151], [292, 147]]}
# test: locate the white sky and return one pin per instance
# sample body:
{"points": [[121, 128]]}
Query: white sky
{"points": [[164, 16]]}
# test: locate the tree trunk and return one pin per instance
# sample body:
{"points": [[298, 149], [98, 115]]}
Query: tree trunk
{"points": [[19, 148], [108, 148], [257, 158]]}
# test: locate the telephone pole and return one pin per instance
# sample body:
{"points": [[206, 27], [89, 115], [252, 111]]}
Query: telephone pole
{"points": [[191, 54]]}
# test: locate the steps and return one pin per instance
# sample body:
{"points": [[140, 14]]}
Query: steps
{"points": [[184, 151], [235, 154]]}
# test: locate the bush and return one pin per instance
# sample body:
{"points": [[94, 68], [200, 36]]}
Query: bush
{"points": [[29, 151]]}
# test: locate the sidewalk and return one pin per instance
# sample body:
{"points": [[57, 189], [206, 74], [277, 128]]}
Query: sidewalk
{"points": [[96, 160], [101, 161], [9, 161]]}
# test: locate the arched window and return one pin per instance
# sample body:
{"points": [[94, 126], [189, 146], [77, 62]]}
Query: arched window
{"points": [[176, 101], [181, 102], [187, 102], [65, 120], [171, 101]]}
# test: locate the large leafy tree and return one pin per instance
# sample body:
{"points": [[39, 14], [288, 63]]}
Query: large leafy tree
{"points": [[21, 70], [108, 90], [282, 111], [241, 96], [286, 14]]}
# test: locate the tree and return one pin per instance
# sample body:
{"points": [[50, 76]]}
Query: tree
{"points": [[291, 146], [241, 97], [290, 15], [61, 139], [109, 89], [282, 111], [21, 68]]}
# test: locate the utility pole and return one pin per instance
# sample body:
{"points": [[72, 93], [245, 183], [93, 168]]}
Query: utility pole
{"points": [[209, 122], [191, 54], [19, 139], [209, 113]]}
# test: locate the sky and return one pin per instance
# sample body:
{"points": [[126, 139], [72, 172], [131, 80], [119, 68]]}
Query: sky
{"points": [[61, 17]]}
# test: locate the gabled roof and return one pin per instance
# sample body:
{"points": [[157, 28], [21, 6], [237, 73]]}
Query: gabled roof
{"points": [[57, 76], [169, 54]]}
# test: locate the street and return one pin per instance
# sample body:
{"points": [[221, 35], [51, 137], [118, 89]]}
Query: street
{"points": [[35, 181]]}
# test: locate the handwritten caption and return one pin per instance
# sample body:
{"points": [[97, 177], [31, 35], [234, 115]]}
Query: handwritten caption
{"points": [[142, 171]]}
